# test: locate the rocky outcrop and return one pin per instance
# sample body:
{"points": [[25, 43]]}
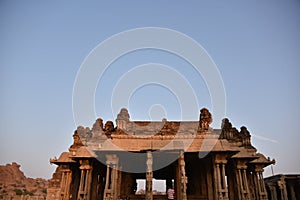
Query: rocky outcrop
{"points": [[15, 185]]}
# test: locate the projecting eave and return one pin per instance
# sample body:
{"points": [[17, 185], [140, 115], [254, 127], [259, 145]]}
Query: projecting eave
{"points": [[64, 157], [83, 152], [247, 154], [262, 160], [277, 177], [212, 145]]}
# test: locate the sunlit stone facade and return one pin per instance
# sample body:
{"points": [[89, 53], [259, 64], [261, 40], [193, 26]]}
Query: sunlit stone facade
{"points": [[197, 161]]}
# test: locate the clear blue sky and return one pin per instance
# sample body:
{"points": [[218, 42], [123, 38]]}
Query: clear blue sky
{"points": [[255, 44]]}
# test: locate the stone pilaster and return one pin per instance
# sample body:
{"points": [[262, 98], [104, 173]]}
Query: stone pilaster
{"points": [[182, 178], [273, 191], [149, 176], [220, 184], [85, 180], [66, 180], [259, 184], [282, 187], [292, 192], [242, 182], [112, 177]]}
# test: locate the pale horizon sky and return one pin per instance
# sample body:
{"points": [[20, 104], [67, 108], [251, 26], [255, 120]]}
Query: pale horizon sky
{"points": [[254, 44]]}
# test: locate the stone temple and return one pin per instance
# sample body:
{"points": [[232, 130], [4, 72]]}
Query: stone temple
{"points": [[197, 161]]}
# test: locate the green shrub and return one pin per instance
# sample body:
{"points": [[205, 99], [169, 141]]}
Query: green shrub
{"points": [[27, 192], [18, 192]]}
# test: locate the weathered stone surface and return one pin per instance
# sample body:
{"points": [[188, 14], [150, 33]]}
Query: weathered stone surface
{"points": [[98, 125], [200, 162], [76, 141], [205, 119], [283, 187]]}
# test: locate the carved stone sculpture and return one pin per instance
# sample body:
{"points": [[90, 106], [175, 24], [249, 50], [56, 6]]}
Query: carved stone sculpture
{"points": [[205, 119], [244, 132], [123, 115], [245, 136], [98, 125], [226, 125], [123, 119], [108, 128], [77, 141]]}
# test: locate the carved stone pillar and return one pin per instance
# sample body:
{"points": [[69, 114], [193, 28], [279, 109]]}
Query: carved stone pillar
{"points": [[221, 190], [245, 182], [119, 181], [282, 187], [182, 178], [85, 180], [66, 180], [242, 182], [149, 176], [260, 189], [112, 178], [292, 192], [273, 192]]}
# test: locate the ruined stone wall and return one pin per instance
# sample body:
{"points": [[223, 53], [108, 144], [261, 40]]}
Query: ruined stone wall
{"points": [[53, 190]]}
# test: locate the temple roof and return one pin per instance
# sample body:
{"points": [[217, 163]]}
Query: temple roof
{"points": [[83, 152], [63, 158], [262, 160], [141, 136], [190, 136]]}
